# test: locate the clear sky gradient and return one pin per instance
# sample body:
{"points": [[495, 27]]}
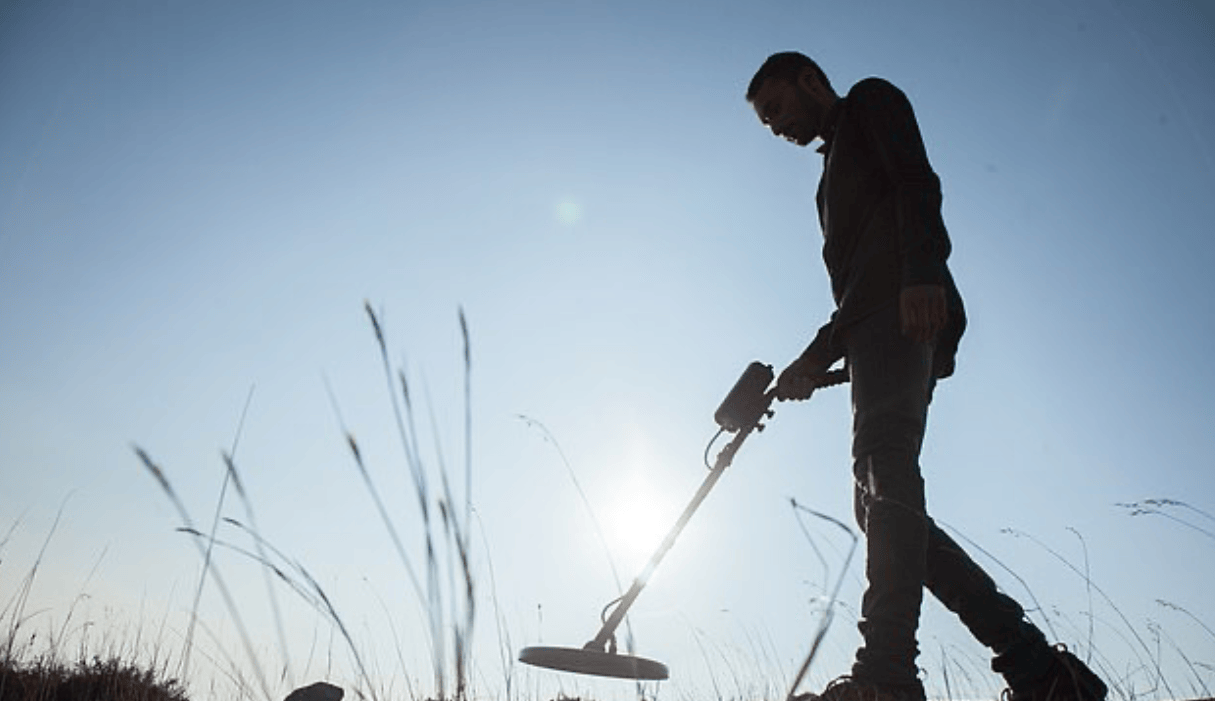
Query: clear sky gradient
{"points": [[196, 198]]}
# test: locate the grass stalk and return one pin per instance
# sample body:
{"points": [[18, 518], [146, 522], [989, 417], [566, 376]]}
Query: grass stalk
{"points": [[461, 604], [1158, 506], [1089, 582], [829, 611], [1000, 563], [159, 475]]}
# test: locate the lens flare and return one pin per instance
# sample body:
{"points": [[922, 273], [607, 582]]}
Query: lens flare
{"points": [[567, 212]]}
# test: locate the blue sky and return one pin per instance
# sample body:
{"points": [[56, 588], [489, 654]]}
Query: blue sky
{"points": [[197, 198]]}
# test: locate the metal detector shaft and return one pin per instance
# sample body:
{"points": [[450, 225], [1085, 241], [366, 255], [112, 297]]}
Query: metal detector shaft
{"points": [[724, 458], [756, 411]]}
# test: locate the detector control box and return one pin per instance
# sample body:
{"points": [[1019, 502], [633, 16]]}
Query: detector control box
{"points": [[747, 402]]}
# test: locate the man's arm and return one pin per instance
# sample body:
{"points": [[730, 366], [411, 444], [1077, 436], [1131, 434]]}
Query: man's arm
{"points": [[806, 372], [924, 245]]}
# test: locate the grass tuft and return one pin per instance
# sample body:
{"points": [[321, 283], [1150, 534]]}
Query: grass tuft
{"points": [[109, 678]]}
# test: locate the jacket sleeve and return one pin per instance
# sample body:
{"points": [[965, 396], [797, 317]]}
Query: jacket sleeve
{"points": [[894, 136], [825, 349]]}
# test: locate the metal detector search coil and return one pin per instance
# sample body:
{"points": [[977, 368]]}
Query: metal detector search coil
{"points": [[594, 662]]}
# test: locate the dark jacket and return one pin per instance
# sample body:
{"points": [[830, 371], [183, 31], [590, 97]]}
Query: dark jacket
{"points": [[879, 205]]}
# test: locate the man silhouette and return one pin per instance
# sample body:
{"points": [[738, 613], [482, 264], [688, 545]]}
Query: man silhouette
{"points": [[897, 324]]}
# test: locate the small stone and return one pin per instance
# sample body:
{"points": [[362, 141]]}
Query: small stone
{"points": [[319, 691]]}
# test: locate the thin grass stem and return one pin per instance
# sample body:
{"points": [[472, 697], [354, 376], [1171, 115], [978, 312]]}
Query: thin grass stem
{"points": [[229, 602]]}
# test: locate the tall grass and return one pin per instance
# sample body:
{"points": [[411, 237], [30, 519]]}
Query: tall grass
{"points": [[39, 663], [443, 583], [36, 666]]}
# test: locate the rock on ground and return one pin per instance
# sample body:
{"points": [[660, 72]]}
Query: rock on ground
{"points": [[319, 691]]}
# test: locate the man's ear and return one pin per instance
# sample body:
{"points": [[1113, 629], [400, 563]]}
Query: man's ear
{"points": [[807, 80]]}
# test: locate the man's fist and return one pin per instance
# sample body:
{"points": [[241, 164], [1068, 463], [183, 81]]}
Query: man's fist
{"points": [[801, 378]]}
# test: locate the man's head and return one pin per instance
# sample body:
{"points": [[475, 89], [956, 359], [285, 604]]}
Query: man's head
{"points": [[792, 96]]}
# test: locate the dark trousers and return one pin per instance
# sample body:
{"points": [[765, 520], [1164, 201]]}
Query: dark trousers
{"points": [[892, 385]]}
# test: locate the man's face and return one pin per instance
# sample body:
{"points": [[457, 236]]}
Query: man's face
{"points": [[789, 110]]}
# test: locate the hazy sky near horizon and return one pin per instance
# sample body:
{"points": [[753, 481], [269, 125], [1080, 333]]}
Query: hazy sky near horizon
{"points": [[197, 198]]}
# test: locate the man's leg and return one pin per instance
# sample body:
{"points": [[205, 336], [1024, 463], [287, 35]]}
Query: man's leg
{"points": [[892, 384], [994, 618], [1033, 669]]}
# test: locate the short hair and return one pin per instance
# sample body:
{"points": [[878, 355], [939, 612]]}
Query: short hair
{"points": [[786, 65]]}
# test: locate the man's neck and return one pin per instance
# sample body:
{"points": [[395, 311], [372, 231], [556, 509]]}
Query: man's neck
{"points": [[827, 131]]}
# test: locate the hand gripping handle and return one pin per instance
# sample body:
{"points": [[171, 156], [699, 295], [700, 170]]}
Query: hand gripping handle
{"points": [[750, 398]]}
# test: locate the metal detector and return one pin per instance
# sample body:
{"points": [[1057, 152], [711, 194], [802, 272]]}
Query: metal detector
{"points": [[741, 413]]}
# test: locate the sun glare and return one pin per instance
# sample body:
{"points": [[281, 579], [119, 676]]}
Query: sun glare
{"points": [[637, 520]]}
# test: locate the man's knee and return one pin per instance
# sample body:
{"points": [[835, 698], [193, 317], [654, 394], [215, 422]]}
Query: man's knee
{"points": [[888, 478]]}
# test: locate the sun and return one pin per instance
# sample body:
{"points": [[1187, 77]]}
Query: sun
{"points": [[637, 519]]}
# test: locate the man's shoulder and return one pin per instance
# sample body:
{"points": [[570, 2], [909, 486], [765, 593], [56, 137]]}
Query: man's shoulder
{"points": [[874, 89]]}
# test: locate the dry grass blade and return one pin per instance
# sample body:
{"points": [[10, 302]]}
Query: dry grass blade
{"points": [[384, 517], [1088, 586], [1158, 674], [219, 508], [1174, 607], [276, 569], [467, 422], [341, 625], [505, 648], [829, 611], [999, 563], [586, 503], [449, 548], [229, 602], [259, 543], [310, 591], [1158, 506], [16, 609]]}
